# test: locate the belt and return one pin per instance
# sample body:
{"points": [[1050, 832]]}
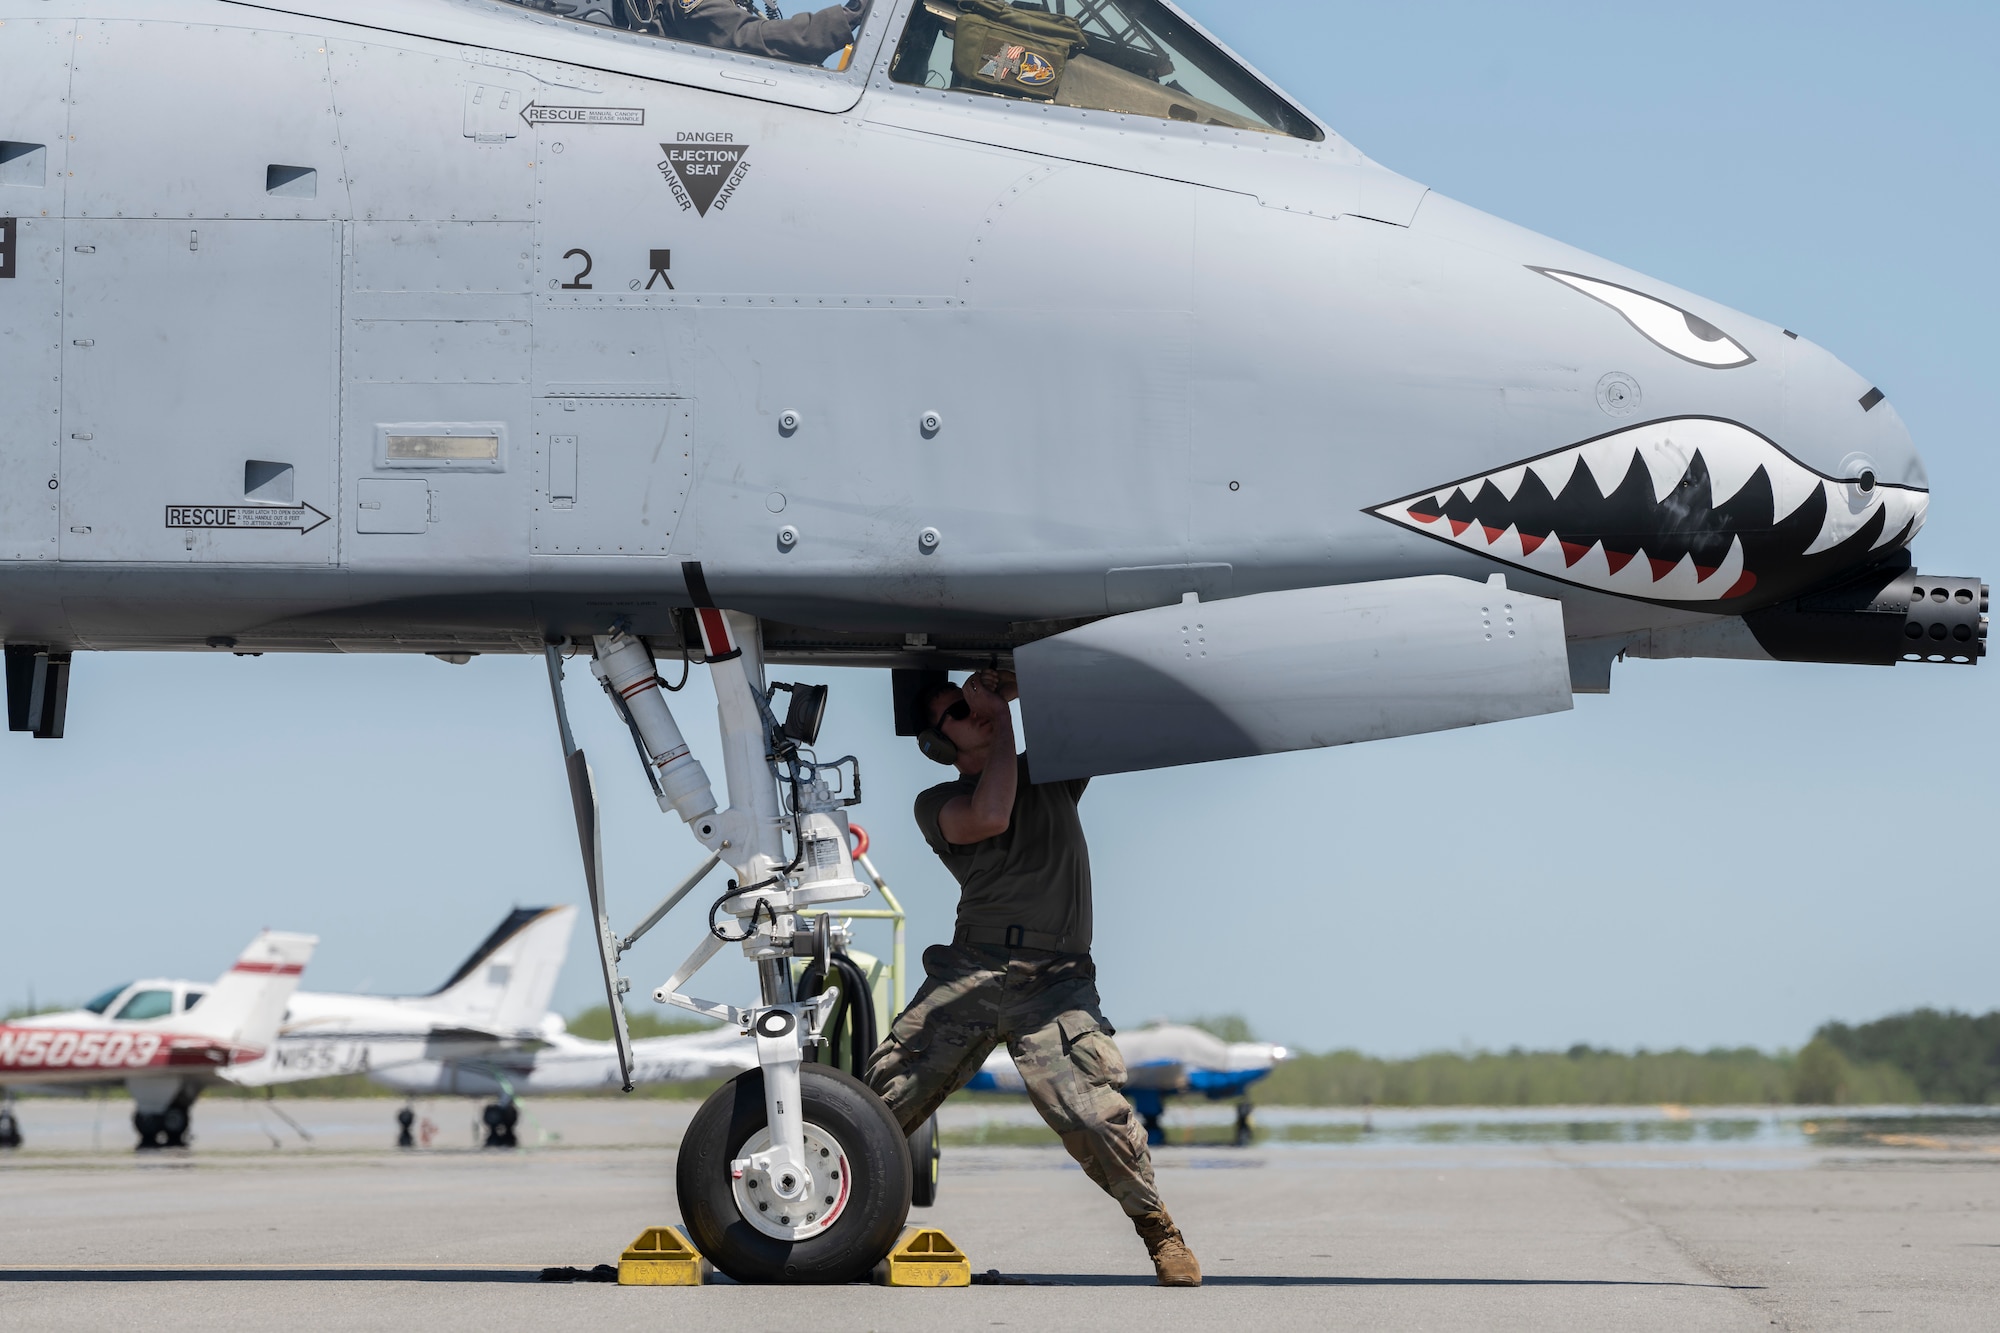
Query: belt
{"points": [[1011, 937]]}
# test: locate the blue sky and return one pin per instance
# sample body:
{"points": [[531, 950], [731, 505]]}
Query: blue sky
{"points": [[1716, 853]]}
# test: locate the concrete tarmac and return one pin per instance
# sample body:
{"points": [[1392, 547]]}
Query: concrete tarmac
{"points": [[1595, 1224]]}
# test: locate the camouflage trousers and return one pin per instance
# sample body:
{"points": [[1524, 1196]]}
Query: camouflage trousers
{"points": [[1045, 1007]]}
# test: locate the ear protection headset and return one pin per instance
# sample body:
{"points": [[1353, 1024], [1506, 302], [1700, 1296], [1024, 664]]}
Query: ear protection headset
{"points": [[937, 747]]}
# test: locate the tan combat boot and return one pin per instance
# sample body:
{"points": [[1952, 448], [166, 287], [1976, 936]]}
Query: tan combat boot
{"points": [[1172, 1259]]}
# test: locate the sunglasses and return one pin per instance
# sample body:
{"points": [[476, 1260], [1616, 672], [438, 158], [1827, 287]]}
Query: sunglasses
{"points": [[958, 712]]}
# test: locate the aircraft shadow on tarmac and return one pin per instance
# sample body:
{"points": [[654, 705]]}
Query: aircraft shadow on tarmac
{"points": [[492, 1275], [468, 1275], [1280, 1280]]}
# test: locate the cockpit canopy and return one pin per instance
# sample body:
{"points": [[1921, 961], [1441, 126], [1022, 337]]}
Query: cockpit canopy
{"points": [[1128, 57], [1132, 57], [137, 1001]]}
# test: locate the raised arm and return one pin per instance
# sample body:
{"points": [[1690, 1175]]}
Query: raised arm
{"points": [[988, 811]]}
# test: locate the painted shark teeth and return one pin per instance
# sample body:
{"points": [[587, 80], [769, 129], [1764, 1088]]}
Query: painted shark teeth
{"points": [[1690, 509]]}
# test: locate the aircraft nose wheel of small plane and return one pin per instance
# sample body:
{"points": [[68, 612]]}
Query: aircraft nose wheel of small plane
{"points": [[835, 1225], [10, 1129], [161, 1129], [500, 1120]]}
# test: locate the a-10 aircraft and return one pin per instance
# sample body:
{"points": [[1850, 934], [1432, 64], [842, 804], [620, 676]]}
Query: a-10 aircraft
{"points": [[1046, 335], [487, 1032], [163, 1041]]}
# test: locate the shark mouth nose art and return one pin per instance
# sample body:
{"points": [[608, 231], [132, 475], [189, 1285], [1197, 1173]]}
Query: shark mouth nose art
{"points": [[1689, 509]]}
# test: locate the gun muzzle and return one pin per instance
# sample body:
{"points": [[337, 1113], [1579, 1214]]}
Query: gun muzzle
{"points": [[1885, 617]]}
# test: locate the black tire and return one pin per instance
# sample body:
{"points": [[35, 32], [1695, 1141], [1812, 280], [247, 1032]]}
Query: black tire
{"points": [[926, 1160], [871, 1219]]}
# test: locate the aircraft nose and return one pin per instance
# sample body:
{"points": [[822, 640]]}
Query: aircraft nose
{"points": [[1667, 447], [1839, 423]]}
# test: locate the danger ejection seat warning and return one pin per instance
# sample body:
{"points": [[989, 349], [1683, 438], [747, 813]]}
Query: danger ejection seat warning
{"points": [[704, 169]]}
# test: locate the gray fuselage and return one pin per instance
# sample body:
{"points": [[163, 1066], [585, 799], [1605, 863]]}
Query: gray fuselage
{"points": [[285, 260]]}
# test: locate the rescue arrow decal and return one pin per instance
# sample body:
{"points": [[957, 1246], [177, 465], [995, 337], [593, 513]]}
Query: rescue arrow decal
{"points": [[583, 115], [300, 518]]}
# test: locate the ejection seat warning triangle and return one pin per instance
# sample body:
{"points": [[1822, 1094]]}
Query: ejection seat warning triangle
{"points": [[703, 169], [271, 518]]}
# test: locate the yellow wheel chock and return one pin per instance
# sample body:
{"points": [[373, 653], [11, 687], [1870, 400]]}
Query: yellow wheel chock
{"points": [[925, 1257], [661, 1257]]}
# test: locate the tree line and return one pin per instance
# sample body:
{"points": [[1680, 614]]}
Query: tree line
{"points": [[1922, 1056]]}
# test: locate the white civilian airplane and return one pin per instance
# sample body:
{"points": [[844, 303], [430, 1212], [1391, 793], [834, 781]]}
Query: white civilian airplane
{"points": [[487, 1032], [148, 1036]]}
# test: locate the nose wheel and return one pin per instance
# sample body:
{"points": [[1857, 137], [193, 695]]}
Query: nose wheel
{"points": [[834, 1223], [500, 1119]]}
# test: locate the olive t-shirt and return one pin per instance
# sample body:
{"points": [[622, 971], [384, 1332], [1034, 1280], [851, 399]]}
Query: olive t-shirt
{"points": [[1036, 875]]}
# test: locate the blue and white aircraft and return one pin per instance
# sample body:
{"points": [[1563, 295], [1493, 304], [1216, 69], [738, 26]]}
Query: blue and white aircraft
{"points": [[1165, 1060]]}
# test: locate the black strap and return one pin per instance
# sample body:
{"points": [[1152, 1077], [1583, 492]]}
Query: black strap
{"points": [[697, 583], [1011, 937]]}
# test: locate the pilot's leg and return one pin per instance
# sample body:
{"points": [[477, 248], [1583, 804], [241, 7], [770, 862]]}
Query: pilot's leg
{"points": [[937, 1044]]}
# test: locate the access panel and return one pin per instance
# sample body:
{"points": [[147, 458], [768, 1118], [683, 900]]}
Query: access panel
{"points": [[199, 408], [611, 474]]}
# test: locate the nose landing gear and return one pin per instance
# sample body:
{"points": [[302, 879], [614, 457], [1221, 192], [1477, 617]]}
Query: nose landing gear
{"points": [[500, 1119], [164, 1129], [793, 1172]]}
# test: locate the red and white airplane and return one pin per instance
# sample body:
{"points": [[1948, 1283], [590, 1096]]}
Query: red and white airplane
{"points": [[151, 1037]]}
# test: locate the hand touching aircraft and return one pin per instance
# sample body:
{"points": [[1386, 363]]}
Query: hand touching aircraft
{"points": [[164, 1041], [1050, 335]]}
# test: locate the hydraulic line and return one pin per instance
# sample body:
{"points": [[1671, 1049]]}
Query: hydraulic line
{"points": [[851, 1027]]}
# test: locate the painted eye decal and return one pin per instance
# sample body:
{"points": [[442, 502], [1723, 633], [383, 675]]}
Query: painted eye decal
{"points": [[1689, 337]]}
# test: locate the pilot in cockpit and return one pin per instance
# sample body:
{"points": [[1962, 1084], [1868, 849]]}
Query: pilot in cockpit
{"points": [[736, 25]]}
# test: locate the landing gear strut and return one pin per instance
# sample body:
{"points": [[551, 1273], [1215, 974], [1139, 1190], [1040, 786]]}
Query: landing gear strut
{"points": [[795, 1171]]}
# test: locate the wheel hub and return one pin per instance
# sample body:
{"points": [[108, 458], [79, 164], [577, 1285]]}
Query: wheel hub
{"points": [[783, 1207]]}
